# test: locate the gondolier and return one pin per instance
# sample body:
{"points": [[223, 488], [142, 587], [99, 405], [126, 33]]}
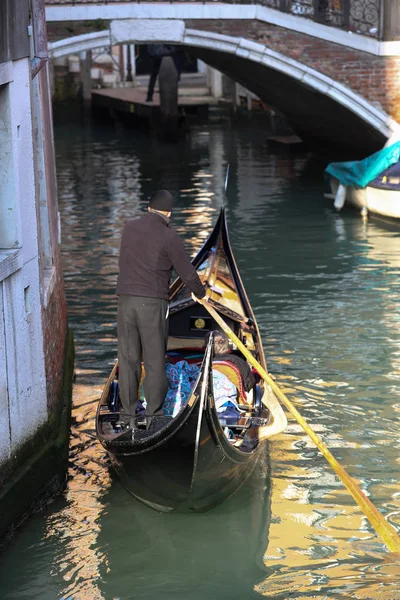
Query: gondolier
{"points": [[150, 249], [196, 457]]}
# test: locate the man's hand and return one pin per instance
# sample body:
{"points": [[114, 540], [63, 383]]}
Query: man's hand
{"points": [[196, 299]]}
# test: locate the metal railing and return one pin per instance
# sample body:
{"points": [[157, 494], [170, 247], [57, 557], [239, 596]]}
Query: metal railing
{"points": [[379, 19], [358, 16]]}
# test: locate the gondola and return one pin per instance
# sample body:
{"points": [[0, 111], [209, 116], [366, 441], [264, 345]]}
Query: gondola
{"points": [[196, 459]]}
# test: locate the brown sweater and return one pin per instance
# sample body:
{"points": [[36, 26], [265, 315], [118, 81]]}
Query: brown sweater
{"points": [[150, 249]]}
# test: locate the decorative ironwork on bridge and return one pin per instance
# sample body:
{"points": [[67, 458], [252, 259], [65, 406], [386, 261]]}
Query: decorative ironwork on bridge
{"points": [[379, 19], [358, 16]]}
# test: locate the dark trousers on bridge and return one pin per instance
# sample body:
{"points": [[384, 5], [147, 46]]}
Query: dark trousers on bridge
{"points": [[155, 69], [142, 335]]}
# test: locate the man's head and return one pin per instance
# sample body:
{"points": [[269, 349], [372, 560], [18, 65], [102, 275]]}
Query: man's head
{"points": [[221, 341], [161, 201]]}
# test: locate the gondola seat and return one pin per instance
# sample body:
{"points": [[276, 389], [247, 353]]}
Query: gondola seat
{"points": [[232, 372]]}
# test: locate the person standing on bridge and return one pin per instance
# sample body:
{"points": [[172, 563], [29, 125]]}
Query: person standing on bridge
{"points": [[157, 53], [150, 249]]}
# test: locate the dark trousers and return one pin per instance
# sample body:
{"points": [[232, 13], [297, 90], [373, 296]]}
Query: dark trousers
{"points": [[142, 335], [155, 69]]}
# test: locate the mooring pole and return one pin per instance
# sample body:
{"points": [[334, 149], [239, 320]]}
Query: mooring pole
{"points": [[168, 84], [128, 63]]}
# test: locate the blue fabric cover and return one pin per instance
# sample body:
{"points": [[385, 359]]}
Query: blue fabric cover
{"points": [[361, 172], [181, 380]]}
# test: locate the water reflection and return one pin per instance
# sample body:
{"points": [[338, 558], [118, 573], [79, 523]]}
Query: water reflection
{"points": [[76, 527], [325, 291], [150, 555]]}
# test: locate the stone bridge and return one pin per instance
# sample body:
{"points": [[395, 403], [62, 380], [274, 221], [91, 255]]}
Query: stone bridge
{"points": [[330, 67]]}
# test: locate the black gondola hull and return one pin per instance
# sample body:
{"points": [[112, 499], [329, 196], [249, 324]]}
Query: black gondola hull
{"points": [[180, 475]]}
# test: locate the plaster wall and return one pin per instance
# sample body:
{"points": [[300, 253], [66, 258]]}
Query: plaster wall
{"points": [[8, 215], [22, 143], [5, 437], [25, 359], [21, 334], [36, 349]]}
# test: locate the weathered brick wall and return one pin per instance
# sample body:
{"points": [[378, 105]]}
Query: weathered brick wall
{"points": [[55, 331], [376, 78]]}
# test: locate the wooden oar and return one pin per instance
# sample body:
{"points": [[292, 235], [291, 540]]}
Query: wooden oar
{"points": [[388, 534]]}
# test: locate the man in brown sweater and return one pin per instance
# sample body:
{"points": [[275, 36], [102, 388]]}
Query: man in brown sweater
{"points": [[150, 249]]}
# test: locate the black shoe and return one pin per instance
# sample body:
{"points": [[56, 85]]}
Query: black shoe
{"points": [[154, 424], [148, 99], [140, 423]]}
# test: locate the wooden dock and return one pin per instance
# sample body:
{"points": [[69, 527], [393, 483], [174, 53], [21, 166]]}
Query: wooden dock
{"points": [[132, 101]]}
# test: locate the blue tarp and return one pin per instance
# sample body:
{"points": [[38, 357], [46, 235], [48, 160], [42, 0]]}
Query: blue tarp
{"points": [[361, 172]]}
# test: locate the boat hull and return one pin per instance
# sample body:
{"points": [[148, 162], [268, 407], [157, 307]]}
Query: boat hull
{"points": [[385, 203], [175, 484]]}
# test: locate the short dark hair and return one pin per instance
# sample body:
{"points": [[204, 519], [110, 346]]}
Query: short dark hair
{"points": [[221, 341]]}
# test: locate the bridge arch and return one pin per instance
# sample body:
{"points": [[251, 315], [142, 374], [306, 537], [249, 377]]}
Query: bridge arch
{"points": [[318, 107]]}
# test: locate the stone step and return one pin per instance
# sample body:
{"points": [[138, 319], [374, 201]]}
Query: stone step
{"points": [[187, 79], [184, 90], [194, 91]]}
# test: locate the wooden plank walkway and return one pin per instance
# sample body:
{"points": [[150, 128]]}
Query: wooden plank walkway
{"points": [[131, 102]]}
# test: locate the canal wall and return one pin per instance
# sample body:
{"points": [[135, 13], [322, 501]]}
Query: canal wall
{"points": [[36, 346]]}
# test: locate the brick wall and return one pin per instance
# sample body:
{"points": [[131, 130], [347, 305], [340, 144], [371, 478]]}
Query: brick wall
{"points": [[55, 330], [376, 78]]}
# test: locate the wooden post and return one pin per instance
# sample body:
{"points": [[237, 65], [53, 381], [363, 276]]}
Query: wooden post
{"points": [[128, 63], [85, 64], [168, 84], [390, 30], [121, 63]]}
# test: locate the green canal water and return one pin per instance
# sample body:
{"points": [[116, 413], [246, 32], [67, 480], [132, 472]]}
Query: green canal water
{"points": [[325, 291]]}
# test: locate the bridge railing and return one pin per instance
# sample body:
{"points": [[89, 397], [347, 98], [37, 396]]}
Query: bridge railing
{"points": [[379, 19], [375, 18]]}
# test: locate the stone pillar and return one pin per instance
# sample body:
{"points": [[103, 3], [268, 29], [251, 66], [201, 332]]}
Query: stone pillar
{"points": [[85, 60], [168, 84], [201, 67], [216, 83]]}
